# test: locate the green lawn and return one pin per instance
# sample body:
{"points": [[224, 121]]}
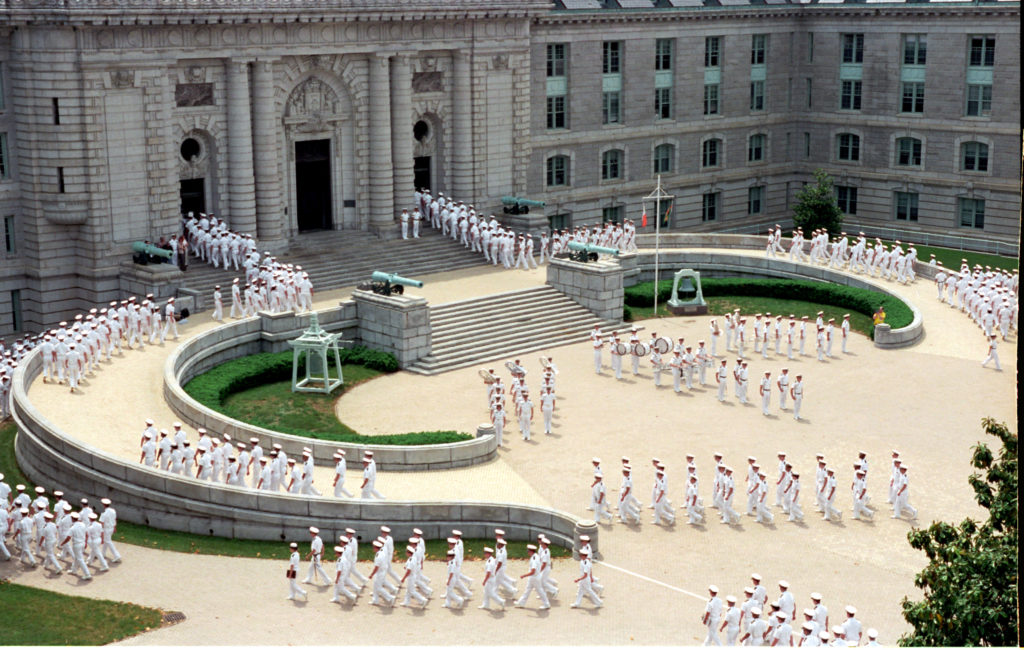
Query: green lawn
{"points": [[169, 540], [750, 305], [38, 617]]}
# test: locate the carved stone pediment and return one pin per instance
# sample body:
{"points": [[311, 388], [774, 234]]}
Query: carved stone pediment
{"points": [[312, 98]]}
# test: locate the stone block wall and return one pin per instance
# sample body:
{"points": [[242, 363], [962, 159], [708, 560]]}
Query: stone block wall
{"points": [[396, 324], [594, 285]]}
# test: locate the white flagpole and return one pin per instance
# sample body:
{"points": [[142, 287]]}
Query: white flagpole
{"points": [[658, 194]]}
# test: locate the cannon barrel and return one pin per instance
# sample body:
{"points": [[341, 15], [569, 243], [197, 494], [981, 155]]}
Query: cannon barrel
{"points": [[149, 249], [394, 278], [515, 200], [591, 248]]}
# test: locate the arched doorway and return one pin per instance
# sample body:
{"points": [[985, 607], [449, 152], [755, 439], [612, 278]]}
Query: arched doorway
{"points": [[427, 153]]}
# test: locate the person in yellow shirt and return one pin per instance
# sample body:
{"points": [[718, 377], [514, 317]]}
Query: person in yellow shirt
{"points": [[879, 316]]}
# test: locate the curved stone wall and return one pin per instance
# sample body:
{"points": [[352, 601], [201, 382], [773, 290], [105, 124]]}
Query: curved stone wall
{"points": [[731, 265], [54, 458], [267, 333]]}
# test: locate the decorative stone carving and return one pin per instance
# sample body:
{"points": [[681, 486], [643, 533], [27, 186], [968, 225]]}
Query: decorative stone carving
{"points": [[193, 94], [427, 82], [313, 99], [499, 62], [122, 78], [195, 74], [428, 64]]}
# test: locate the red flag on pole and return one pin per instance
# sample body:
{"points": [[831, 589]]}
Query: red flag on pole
{"points": [[643, 219]]}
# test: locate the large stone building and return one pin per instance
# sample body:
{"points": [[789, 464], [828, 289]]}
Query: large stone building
{"points": [[287, 116]]}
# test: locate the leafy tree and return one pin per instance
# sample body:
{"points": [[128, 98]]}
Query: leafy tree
{"points": [[816, 206], [970, 583]]}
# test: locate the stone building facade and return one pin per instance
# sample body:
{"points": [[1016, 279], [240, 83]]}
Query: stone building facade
{"points": [[286, 116]]}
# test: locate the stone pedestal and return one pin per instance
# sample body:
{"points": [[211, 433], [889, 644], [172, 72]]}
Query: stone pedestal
{"points": [[594, 285], [585, 527], [396, 324], [161, 280], [485, 429]]}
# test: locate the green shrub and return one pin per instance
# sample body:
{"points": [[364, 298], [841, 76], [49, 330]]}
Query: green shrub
{"points": [[627, 313], [864, 301]]}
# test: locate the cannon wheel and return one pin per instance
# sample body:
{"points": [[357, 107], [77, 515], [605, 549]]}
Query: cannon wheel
{"points": [[399, 289], [592, 257]]}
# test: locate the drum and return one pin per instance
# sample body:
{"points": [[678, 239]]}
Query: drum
{"points": [[621, 348], [544, 363], [486, 376], [662, 345], [641, 349], [513, 368]]}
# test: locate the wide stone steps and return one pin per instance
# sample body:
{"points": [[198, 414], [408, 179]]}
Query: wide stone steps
{"points": [[345, 258], [503, 326]]}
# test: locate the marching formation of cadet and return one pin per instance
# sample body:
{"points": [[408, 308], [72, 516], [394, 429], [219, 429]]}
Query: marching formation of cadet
{"points": [[524, 410], [756, 622], [224, 460], [987, 296], [785, 482], [51, 533], [385, 584], [211, 241]]}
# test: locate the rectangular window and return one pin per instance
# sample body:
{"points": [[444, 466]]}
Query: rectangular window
{"points": [[663, 103], [556, 112], [610, 113], [611, 165], [709, 153], [611, 59], [709, 212], [807, 145], [558, 221], [663, 50], [972, 213], [853, 48], [915, 49], [16, 310], [913, 98], [808, 92], [758, 47], [810, 47], [979, 100], [4, 168], [611, 215], [60, 180], [755, 200], [847, 198], [906, 206], [9, 242], [983, 51], [711, 99], [849, 99], [849, 147], [755, 148], [757, 95], [556, 60], [908, 152], [56, 110], [558, 172], [663, 158], [974, 157], [712, 51]]}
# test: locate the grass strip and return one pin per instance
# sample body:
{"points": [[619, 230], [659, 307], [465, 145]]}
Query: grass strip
{"points": [[170, 540], [34, 617]]}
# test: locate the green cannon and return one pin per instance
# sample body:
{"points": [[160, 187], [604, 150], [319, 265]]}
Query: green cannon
{"points": [[143, 252], [589, 252], [386, 284], [516, 205]]}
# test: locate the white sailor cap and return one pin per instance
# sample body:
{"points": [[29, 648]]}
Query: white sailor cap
{"points": [[872, 633], [851, 610], [105, 501], [40, 490], [314, 530], [713, 589], [498, 532]]}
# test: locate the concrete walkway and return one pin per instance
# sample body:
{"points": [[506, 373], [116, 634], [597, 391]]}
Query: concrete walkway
{"points": [[926, 401]]}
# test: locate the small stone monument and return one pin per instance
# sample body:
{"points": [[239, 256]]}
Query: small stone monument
{"points": [[317, 345], [687, 298]]}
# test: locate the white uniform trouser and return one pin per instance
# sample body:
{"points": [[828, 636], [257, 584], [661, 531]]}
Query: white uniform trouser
{"points": [[601, 510], [763, 513], [51, 558], [218, 310], [3, 548], [505, 582], [765, 399], [992, 356], [169, 325], [628, 511], [796, 513], [903, 503], [533, 583], [830, 509], [413, 590], [316, 569], [721, 391], [380, 588], [617, 365], [25, 546], [586, 588], [728, 514], [662, 510], [597, 360], [78, 553], [547, 419], [339, 489], [96, 551], [108, 545], [636, 364], [450, 596], [860, 508], [712, 637], [369, 492], [797, 401], [491, 593], [731, 632], [782, 398], [294, 589]]}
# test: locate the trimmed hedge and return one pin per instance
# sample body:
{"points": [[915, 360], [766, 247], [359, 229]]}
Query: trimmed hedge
{"points": [[213, 386], [864, 301]]}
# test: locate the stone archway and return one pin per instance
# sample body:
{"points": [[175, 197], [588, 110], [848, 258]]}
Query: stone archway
{"points": [[197, 168], [428, 152]]}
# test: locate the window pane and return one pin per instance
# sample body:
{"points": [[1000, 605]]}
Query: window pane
{"points": [[711, 51], [711, 99], [663, 54]]}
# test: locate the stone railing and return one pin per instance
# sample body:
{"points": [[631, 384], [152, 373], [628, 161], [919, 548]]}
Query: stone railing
{"points": [[152, 497], [270, 333], [730, 265]]}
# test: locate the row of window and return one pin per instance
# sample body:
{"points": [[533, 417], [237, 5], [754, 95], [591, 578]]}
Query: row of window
{"points": [[970, 211], [974, 156]]}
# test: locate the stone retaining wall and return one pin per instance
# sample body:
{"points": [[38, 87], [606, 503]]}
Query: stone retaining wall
{"points": [[147, 496], [270, 333], [730, 265], [594, 285]]}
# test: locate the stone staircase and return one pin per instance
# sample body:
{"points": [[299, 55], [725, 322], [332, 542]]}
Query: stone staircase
{"points": [[344, 258], [498, 327]]}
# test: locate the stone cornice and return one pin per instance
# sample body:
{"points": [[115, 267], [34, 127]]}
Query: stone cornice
{"points": [[160, 12]]}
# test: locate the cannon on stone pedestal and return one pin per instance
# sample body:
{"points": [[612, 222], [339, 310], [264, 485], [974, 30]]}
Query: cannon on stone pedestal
{"points": [[386, 284], [589, 252], [143, 251], [517, 205]]}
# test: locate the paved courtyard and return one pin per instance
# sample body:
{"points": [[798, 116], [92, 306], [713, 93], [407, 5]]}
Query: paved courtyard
{"points": [[926, 401]]}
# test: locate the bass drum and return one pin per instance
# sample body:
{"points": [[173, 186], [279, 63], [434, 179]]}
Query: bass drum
{"points": [[486, 376], [622, 348], [641, 349], [662, 345]]}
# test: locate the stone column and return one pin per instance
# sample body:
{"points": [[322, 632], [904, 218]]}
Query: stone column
{"points": [[401, 131], [382, 199], [241, 184], [270, 227], [462, 129]]}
